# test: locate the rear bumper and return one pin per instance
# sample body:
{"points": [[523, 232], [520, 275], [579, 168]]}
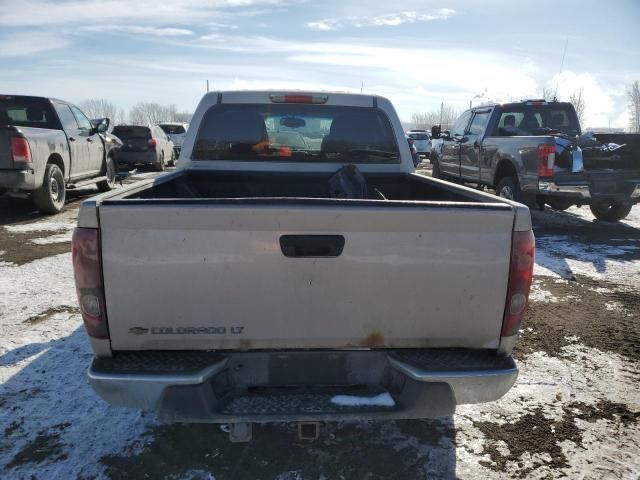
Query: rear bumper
{"points": [[137, 158], [301, 385], [18, 179], [626, 191]]}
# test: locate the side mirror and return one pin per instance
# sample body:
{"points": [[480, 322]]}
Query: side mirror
{"points": [[100, 125], [446, 135]]}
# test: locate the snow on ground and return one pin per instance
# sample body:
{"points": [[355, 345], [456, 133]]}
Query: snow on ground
{"points": [[43, 389], [565, 257], [61, 237], [582, 375]]}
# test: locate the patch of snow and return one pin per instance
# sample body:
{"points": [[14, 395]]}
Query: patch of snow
{"points": [[541, 295], [581, 374], [382, 400], [62, 237], [40, 227], [614, 306], [564, 257], [43, 386]]}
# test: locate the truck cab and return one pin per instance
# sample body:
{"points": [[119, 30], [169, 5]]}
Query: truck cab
{"points": [[534, 152]]}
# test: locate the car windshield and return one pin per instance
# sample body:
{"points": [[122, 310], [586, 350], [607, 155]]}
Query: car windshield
{"points": [[527, 120], [132, 133], [27, 112], [296, 132], [172, 129]]}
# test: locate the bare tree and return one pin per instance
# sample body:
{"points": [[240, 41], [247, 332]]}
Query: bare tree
{"points": [[579, 103], [144, 113], [548, 94], [633, 93], [444, 116], [99, 108]]}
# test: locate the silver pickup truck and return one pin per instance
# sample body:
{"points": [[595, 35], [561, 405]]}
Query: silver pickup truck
{"points": [[295, 268]]}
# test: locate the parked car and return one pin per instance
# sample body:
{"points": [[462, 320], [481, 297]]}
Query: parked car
{"points": [[421, 140], [47, 146], [414, 151], [533, 152], [176, 132], [319, 284], [144, 145]]}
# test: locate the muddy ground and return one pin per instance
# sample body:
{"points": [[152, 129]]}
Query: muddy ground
{"points": [[573, 413]]}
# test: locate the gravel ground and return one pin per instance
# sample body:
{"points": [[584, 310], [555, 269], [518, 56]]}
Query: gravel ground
{"points": [[573, 413]]}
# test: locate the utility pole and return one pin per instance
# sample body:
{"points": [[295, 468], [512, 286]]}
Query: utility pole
{"points": [[441, 112], [361, 85], [207, 86]]}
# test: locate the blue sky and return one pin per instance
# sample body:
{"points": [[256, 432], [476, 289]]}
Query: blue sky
{"points": [[417, 53]]}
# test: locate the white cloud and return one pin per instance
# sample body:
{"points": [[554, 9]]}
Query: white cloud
{"points": [[49, 12], [600, 105], [140, 30], [386, 20], [31, 42]]}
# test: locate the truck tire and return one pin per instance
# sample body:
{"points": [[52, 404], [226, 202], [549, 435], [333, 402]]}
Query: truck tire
{"points": [[160, 165], [50, 197], [110, 172], [509, 188], [560, 204], [610, 211]]}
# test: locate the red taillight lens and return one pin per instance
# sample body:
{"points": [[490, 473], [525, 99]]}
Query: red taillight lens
{"points": [[546, 159], [87, 260], [523, 245], [152, 142], [20, 150]]}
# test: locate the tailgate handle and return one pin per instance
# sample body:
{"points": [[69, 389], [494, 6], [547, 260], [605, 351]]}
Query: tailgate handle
{"points": [[301, 246]]}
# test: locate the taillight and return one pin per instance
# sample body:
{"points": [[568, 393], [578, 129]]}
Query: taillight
{"points": [[152, 142], [87, 260], [523, 246], [20, 151], [298, 98], [546, 159]]}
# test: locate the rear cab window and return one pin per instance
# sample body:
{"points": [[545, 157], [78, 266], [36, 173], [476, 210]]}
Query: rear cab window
{"points": [[131, 133], [531, 120], [172, 129], [296, 133], [28, 112]]}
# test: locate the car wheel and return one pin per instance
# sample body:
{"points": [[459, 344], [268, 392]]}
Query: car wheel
{"points": [[560, 204], [111, 171], [508, 188], [160, 166], [173, 158], [610, 211], [50, 197]]}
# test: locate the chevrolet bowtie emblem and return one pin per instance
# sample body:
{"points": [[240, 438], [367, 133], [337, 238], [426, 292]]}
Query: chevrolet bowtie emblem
{"points": [[138, 330]]}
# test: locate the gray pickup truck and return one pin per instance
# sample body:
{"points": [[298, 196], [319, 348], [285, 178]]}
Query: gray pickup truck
{"points": [[47, 145], [533, 152], [318, 278]]}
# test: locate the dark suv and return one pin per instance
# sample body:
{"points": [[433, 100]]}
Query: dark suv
{"points": [[144, 146]]}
